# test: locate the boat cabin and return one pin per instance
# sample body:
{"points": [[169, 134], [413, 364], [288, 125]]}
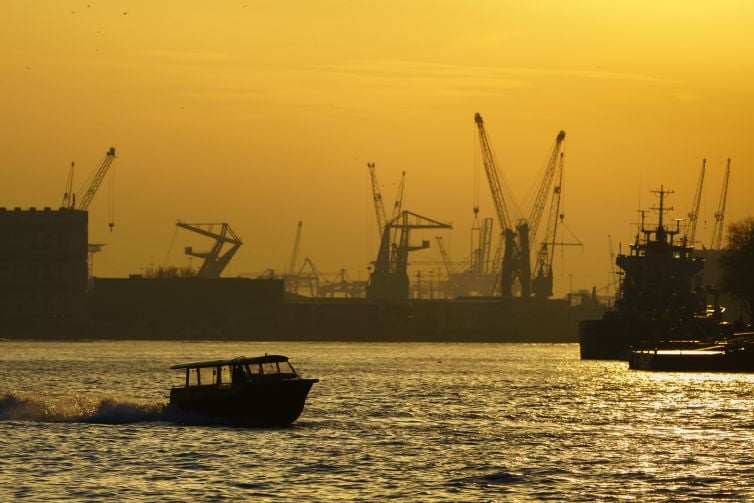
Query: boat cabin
{"points": [[237, 371]]}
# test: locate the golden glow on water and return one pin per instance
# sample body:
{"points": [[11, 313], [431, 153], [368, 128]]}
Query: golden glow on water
{"points": [[471, 422], [240, 110]]}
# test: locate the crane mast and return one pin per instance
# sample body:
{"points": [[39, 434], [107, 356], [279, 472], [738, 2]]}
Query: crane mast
{"points": [[717, 232], [694, 213]]}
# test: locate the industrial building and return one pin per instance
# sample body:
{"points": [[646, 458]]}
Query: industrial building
{"points": [[43, 265]]}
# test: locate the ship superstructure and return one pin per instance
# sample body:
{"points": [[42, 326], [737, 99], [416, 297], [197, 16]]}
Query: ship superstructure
{"points": [[658, 300]]}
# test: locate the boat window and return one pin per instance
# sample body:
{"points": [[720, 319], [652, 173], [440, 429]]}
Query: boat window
{"points": [[207, 376], [225, 375], [254, 368], [193, 377], [285, 368], [269, 368]]}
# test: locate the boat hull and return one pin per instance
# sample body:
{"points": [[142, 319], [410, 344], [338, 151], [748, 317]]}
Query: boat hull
{"points": [[741, 360], [266, 403]]}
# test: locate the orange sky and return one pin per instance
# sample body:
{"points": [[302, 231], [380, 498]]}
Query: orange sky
{"points": [[265, 113]]}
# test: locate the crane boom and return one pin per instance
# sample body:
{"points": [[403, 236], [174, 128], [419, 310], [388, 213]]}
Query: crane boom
{"points": [[96, 180], [398, 204], [379, 207], [717, 232], [296, 246], [553, 164], [694, 213], [215, 260], [445, 257], [493, 179], [69, 200]]}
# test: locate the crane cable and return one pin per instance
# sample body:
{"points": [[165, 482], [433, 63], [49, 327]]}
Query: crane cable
{"points": [[111, 222]]}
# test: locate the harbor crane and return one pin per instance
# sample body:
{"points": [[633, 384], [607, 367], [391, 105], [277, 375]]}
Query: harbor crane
{"points": [[215, 259], [516, 263], [542, 280], [388, 280], [717, 232], [511, 250], [379, 207], [694, 213], [541, 284], [90, 187], [311, 276]]}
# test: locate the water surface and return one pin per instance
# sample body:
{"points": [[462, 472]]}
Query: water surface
{"points": [[418, 422]]}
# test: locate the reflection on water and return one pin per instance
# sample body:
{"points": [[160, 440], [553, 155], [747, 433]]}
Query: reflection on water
{"points": [[87, 420]]}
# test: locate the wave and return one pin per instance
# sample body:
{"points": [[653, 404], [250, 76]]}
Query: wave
{"points": [[71, 409], [77, 409]]}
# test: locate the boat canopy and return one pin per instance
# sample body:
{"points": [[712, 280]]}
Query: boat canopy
{"points": [[233, 361]]}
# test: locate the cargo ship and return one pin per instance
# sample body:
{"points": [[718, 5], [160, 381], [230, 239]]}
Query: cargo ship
{"points": [[657, 302]]}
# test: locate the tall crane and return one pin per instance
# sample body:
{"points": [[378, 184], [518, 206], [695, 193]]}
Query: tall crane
{"points": [[694, 213], [215, 259], [388, 280], [717, 232], [90, 187], [527, 230], [542, 281], [501, 210]]}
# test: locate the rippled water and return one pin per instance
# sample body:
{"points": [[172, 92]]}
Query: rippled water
{"points": [[418, 422]]}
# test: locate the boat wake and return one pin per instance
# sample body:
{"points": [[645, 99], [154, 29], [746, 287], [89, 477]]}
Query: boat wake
{"points": [[16, 407], [77, 409]]}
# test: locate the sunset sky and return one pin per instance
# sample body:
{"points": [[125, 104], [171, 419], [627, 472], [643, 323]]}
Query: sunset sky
{"points": [[261, 114]]}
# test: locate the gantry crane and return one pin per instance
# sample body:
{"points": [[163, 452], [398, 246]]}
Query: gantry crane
{"points": [[717, 232], [388, 280], [694, 213], [312, 276], [215, 260], [90, 187]]}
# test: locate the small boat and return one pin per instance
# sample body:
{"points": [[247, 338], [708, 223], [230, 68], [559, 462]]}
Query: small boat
{"points": [[260, 391], [735, 354]]}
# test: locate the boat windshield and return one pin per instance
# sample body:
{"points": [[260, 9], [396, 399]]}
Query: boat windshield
{"points": [[271, 368]]}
